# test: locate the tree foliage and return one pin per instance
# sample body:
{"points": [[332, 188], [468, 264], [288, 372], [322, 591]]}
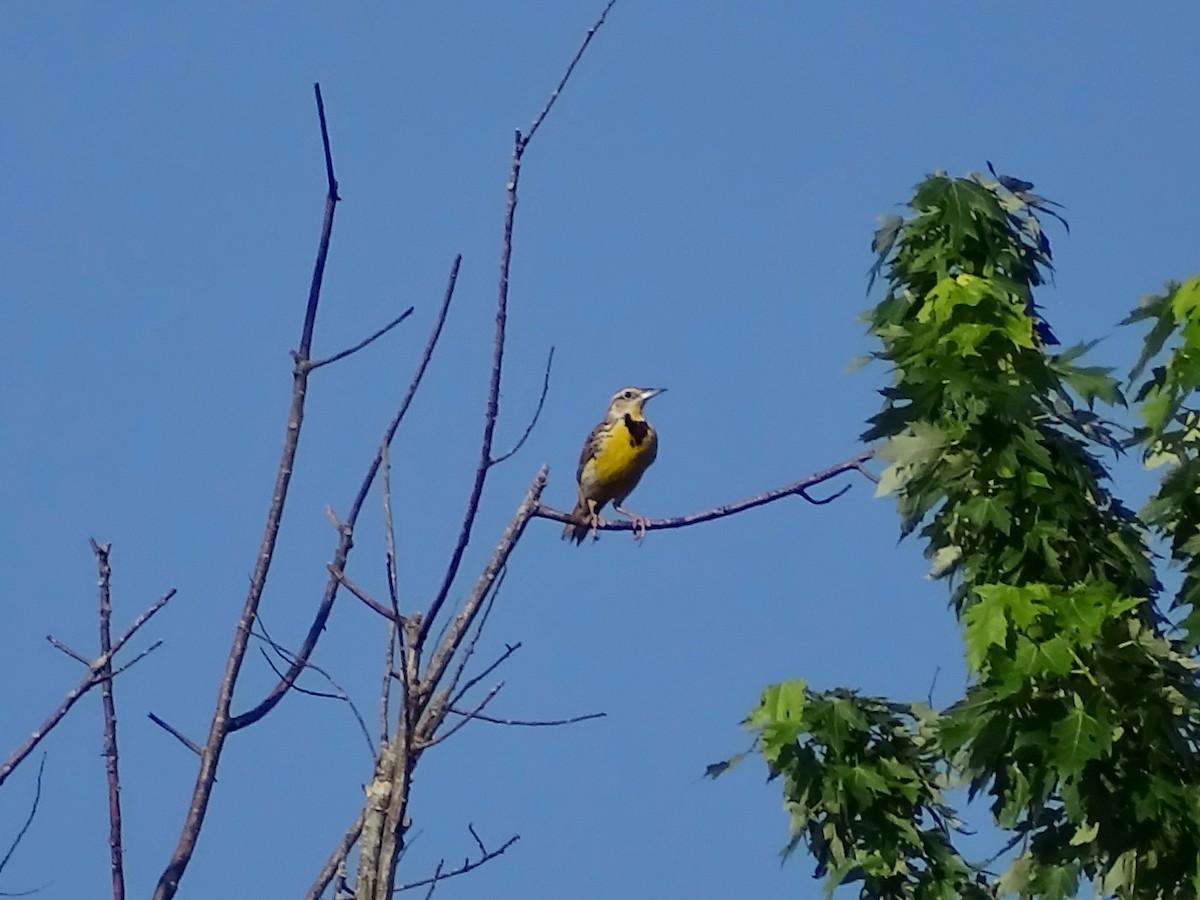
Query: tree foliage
{"points": [[1080, 726]]}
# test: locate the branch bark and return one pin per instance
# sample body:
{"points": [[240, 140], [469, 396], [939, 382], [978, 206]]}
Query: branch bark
{"points": [[111, 760], [795, 489], [210, 756]]}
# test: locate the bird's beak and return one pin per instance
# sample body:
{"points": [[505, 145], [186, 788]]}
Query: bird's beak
{"points": [[647, 393]]}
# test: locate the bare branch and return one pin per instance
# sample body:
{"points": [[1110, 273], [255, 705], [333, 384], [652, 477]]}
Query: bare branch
{"points": [[385, 688], [339, 691], [469, 651], [74, 654], [33, 808], [509, 650], [175, 733], [362, 595], [89, 681], [346, 538], [111, 759], [133, 662], [439, 875], [393, 580], [459, 624], [796, 488], [536, 414], [520, 143], [466, 717], [312, 366], [336, 859], [537, 123], [529, 723], [219, 729]]}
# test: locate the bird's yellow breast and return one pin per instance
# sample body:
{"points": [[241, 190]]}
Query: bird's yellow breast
{"points": [[622, 459]]}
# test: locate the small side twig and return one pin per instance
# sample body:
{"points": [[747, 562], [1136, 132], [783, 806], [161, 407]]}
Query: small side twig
{"points": [[33, 808], [312, 366], [509, 650], [338, 693], [469, 650], [466, 718], [536, 414], [344, 580], [175, 733], [529, 723]]}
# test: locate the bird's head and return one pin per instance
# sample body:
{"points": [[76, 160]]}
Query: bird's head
{"points": [[631, 400]]}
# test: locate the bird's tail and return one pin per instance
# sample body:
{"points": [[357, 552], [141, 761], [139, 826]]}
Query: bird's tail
{"points": [[578, 529]]}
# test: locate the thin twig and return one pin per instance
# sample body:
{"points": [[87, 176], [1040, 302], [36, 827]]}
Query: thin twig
{"points": [[346, 535], [74, 654], [111, 758], [537, 123], [312, 366], [529, 723], [133, 662], [89, 681], [175, 733], [536, 414], [459, 625], [509, 650], [796, 488], [469, 651], [466, 718], [433, 882], [461, 870], [220, 727], [520, 144], [33, 808], [339, 691]]}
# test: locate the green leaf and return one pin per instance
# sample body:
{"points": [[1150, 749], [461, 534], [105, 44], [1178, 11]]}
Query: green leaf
{"points": [[1074, 742]]}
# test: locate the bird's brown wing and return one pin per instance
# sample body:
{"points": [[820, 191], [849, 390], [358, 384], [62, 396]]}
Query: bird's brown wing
{"points": [[590, 448]]}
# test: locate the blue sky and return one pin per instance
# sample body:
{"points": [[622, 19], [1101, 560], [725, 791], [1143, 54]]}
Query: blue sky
{"points": [[695, 214]]}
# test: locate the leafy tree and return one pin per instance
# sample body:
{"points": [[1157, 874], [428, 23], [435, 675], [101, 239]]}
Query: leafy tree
{"points": [[1081, 721]]}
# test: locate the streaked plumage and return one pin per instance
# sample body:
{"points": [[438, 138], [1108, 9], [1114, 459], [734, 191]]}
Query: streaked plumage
{"points": [[615, 456]]}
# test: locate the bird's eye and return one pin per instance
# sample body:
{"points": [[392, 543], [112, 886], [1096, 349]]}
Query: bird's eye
{"points": [[628, 395]]}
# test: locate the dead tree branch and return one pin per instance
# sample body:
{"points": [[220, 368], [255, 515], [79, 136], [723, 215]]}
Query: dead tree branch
{"points": [[537, 413], [33, 808], [439, 875], [346, 531], [111, 759], [529, 723], [520, 144], [796, 488], [220, 728], [363, 343], [175, 733], [94, 676]]}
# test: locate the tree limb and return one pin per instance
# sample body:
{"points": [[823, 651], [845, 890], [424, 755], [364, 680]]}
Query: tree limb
{"points": [[796, 488]]}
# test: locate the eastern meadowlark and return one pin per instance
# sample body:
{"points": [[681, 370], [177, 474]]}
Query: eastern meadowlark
{"points": [[615, 456]]}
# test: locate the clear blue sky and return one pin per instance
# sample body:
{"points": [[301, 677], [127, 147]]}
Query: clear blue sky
{"points": [[695, 214]]}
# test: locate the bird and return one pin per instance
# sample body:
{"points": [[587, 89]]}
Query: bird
{"points": [[615, 456]]}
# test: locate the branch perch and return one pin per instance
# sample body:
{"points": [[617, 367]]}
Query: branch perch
{"points": [[796, 488]]}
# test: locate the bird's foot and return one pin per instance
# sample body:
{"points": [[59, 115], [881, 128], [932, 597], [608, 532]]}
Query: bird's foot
{"points": [[594, 520], [641, 524]]}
